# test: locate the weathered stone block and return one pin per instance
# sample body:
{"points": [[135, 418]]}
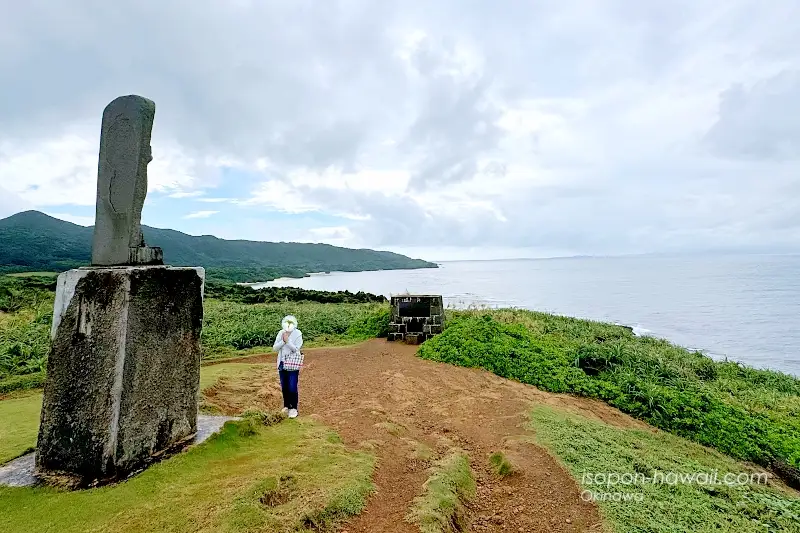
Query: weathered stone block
{"points": [[414, 338], [124, 368], [398, 328]]}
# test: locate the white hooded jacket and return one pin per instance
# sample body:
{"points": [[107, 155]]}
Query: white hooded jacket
{"points": [[289, 352]]}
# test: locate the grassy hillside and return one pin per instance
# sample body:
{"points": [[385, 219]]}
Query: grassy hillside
{"points": [[631, 473], [35, 241], [746, 413]]}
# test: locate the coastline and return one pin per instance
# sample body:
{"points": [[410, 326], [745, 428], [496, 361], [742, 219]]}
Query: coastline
{"points": [[282, 279], [454, 303]]}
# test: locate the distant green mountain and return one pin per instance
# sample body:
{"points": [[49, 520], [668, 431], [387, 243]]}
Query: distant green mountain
{"points": [[33, 241]]}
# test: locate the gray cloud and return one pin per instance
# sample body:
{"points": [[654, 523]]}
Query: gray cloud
{"points": [[590, 126], [760, 122]]}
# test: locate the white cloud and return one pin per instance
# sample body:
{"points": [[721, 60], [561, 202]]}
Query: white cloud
{"points": [[75, 219], [217, 200], [335, 235], [62, 170], [56, 170], [185, 194], [201, 214]]}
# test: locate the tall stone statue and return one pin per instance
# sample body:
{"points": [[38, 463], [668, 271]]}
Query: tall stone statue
{"points": [[123, 370], [122, 184]]}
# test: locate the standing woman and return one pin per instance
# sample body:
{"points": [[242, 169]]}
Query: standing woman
{"points": [[290, 361]]}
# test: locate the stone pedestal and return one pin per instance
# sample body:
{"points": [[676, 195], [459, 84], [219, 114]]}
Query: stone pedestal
{"points": [[124, 369]]}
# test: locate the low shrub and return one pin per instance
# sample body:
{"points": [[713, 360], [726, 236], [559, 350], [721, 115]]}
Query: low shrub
{"points": [[248, 295], [24, 382]]}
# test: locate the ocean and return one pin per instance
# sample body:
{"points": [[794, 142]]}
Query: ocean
{"points": [[743, 307]]}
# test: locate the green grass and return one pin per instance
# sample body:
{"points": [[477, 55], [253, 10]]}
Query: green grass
{"points": [[217, 486], [19, 414], [230, 327], [591, 449], [34, 274], [19, 424], [209, 375], [747, 413], [440, 508]]}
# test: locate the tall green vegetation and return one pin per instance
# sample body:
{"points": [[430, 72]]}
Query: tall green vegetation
{"points": [[234, 321], [20, 292], [26, 306], [231, 326], [746, 413]]}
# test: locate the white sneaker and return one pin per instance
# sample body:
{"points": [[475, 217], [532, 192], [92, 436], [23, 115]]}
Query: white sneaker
{"points": [[292, 413], [285, 410]]}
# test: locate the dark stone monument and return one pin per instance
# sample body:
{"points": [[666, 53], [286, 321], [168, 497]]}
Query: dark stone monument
{"points": [[415, 317], [124, 368]]}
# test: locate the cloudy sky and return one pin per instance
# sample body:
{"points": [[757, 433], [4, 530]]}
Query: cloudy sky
{"points": [[443, 129]]}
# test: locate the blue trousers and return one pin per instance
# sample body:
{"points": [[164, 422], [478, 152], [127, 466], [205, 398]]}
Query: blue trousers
{"points": [[289, 387]]}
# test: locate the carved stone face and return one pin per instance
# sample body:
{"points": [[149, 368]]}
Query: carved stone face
{"points": [[148, 154]]}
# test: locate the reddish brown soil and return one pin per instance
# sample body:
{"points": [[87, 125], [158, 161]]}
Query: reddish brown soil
{"points": [[382, 396]]}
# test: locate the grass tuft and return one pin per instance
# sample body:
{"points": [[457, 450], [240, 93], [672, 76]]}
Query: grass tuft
{"points": [[277, 490], [501, 465], [392, 428], [440, 509], [246, 427], [263, 417]]}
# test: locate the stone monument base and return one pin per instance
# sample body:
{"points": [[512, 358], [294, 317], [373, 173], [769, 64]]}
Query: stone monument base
{"points": [[124, 368]]}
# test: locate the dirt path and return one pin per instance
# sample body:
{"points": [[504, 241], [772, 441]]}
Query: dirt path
{"points": [[409, 410]]}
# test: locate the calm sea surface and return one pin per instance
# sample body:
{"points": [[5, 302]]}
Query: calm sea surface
{"points": [[744, 307]]}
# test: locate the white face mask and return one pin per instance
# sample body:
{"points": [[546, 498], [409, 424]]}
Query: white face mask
{"points": [[290, 326]]}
